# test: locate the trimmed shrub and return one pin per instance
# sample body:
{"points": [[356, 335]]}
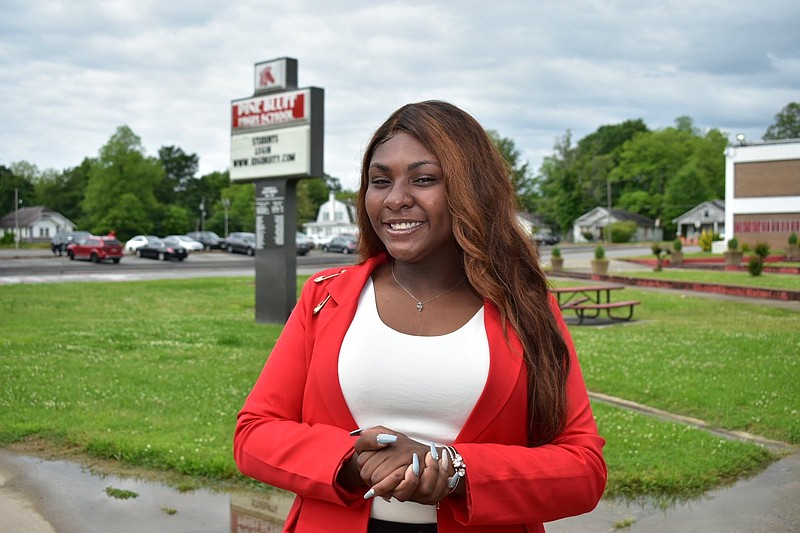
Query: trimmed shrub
{"points": [[755, 266], [623, 231], [599, 252], [705, 240]]}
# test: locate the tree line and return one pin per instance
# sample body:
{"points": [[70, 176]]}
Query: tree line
{"points": [[128, 192], [659, 174]]}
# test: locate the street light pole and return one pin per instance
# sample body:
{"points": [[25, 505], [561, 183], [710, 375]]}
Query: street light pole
{"points": [[202, 214], [226, 204]]}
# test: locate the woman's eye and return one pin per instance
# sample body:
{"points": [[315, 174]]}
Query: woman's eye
{"points": [[378, 180]]}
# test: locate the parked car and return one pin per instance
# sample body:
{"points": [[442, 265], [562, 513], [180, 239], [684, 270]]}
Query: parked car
{"points": [[546, 238], [192, 245], [60, 241], [210, 240], [139, 240], [163, 249], [304, 243], [96, 249], [320, 241], [241, 242], [342, 244]]}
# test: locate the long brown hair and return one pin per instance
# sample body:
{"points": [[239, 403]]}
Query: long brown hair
{"points": [[500, 261]]}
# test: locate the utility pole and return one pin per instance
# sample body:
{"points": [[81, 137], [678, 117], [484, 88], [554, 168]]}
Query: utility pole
{"points": [[16, 218], [226, 204], [608, 201]]}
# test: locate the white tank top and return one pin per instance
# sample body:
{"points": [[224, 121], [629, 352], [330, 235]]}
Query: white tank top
{"points": [[424, 387]]}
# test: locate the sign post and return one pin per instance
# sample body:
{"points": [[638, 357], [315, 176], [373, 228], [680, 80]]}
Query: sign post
{"points": [[276, 139]]}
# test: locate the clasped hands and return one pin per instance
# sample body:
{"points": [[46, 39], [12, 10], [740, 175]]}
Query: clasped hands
{"points": [[396, 466]]}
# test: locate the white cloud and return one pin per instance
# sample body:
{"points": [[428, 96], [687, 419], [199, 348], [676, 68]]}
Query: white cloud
{"points": [[72, 72]]}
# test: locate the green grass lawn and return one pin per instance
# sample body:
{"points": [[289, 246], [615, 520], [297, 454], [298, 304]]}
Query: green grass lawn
{"points": [[153, 373], [766, 280], [731, 364]]}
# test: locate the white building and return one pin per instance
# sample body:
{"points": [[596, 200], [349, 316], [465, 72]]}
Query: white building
{"points": [[334, 218], [707, 216], [762, 192], [597, 221], [36, 223]]}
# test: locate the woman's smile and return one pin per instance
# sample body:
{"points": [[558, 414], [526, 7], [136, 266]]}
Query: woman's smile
{"points": [[406, 200]]}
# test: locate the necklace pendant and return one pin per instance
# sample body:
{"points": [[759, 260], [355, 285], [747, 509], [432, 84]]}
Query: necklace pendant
{"points": [[419, 306]]}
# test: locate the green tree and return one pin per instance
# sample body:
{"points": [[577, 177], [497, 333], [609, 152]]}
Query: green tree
{"points": [[597, 155], [26, 170], [242, 212], [518, 170], [787, 124], [701, 178], [180, 169], [648, 161], [63, 192], [9, 183], [311, 193], [208, 191], [126, 216], [121, 170], [175, 220], [560, 201]]}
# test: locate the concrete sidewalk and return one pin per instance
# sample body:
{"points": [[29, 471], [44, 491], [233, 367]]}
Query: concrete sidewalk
{"points": [[36, 497]]}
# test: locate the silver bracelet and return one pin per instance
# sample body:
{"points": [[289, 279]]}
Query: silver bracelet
{"points": [[459, 467]]}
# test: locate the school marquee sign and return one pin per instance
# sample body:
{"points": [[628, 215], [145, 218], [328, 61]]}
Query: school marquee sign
{"points": [[278, 131], [276, 139]]}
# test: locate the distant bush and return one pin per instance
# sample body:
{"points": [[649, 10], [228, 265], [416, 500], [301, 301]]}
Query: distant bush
{"points": [[755, 266], [588, 235], [761, 250], [705, 240], [623, 231]]}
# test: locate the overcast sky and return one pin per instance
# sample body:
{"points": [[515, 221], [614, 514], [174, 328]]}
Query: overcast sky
{"points": [[72, 72]]}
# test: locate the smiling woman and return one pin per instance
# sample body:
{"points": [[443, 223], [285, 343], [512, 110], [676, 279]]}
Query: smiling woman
{"points": [[433, 372]]}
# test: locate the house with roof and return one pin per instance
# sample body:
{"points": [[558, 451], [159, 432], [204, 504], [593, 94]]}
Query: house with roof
{"points": [[36, 224], [707, 216], [334, 218], [595, 224]]}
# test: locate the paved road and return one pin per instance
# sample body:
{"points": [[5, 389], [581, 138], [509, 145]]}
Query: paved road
{"points": [[35, 266], [40, 265]]}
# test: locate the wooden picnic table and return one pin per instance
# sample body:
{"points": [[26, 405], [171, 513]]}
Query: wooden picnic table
{"points": [[593, 293], [589, 299]]}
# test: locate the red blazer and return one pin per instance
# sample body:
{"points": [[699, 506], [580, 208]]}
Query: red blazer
{"points": [[293, 431]]}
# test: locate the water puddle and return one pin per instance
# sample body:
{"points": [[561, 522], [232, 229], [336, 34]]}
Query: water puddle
{"points": [[75, 500]]}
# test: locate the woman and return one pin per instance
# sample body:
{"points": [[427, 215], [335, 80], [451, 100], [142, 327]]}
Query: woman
{"points": [[434, 385]]}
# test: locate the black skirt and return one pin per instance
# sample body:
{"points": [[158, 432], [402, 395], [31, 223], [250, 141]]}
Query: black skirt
{"points": [[382, 526]]}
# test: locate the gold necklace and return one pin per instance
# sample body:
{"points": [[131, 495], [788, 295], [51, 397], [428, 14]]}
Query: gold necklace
{"points": [[420, 303]]}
